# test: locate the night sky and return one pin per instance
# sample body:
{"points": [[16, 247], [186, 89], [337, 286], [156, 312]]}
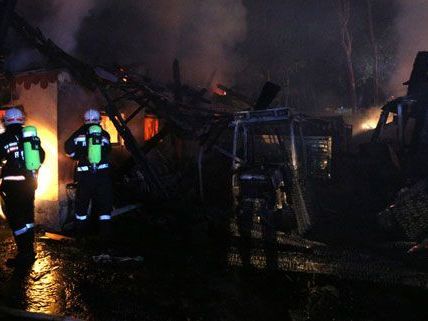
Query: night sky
{"points": [[243, 43]]}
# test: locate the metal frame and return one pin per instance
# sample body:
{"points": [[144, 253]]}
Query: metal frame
{"points": [[267, 115]]}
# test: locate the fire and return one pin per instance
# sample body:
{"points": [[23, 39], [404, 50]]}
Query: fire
{"points": [[369, 124], [369, 120], [47, 189], [151, 127], [220, 92]]}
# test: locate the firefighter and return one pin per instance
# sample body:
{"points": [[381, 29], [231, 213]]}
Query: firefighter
{"points": [[90, 147], [19, 182]]}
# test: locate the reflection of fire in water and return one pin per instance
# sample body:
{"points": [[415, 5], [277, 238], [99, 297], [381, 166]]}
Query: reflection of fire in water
{"points": [[43, 287]]}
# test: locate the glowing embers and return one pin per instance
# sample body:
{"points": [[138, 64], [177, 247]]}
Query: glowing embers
{"points": [[220, 92], [151, 127]]}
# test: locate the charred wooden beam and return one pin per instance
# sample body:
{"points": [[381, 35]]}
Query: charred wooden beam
{"points": [[236, 94], [88, 77], [380, 271], [268, 94], [132, 145], [200, 97], [186, 118], [181, 116], [134, 113], [380, 125], [401, 107], [126, 96], [196, 95], [152, 143]]}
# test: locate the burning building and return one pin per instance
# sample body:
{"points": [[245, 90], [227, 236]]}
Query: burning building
{"points": [[54, 102]]}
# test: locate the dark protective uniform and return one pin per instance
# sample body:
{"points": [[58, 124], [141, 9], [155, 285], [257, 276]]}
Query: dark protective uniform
{"points": [[94, 184], [18, 188]]}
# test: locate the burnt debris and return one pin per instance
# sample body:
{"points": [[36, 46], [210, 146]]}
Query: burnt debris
{"points": [[281, 164]]}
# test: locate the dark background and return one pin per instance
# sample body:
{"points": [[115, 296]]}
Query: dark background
{"points": [[241, 43]]}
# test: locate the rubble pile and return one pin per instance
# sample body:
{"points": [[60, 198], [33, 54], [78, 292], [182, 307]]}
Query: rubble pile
{"points": [[408, 215]]}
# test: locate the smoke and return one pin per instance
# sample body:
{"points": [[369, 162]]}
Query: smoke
{"points": [[203, 35], [59, 20], [411, 28], [367, 120], [64, 25]]}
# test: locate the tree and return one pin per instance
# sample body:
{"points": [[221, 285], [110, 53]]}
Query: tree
{"points": [[343, 8], [375, 48]]}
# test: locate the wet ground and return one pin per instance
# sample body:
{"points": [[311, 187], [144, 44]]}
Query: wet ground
{"points": [[184, 275]]}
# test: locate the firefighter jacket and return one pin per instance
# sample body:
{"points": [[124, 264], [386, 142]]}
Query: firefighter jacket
{"points": [[12, 154], [76, 147]]}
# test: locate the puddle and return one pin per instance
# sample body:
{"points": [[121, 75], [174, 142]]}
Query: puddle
{"points": [[45, 286]]}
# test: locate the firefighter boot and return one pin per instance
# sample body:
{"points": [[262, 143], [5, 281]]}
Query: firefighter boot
{"points": [[82, 228], [30, 243], [105, 229], [25, 246]]}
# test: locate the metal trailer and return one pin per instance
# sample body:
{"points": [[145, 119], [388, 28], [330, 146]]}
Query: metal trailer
{"points": [[271, 162]]}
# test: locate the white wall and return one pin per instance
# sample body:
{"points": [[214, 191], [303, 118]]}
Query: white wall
{"points": [[40, 106]]}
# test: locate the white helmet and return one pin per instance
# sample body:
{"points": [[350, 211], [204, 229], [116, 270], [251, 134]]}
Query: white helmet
{"points": [[92, 116], [13, 116]]}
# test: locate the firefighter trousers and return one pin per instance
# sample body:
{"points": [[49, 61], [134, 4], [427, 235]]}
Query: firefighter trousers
{"points": [[94, 188], [18, 197]]}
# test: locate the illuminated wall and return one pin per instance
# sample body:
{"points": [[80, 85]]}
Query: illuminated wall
{"points": [[39, 99], [55, 103]]}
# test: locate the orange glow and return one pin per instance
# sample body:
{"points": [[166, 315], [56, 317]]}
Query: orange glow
{"points": [[151, 127], [47, 189], [108, 126], [369, 124], [219, 92], [369, 120], [43, 286]]}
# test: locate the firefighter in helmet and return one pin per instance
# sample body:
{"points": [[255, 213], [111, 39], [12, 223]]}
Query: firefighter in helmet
{"points": [[21, 155], [90, 147]]}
